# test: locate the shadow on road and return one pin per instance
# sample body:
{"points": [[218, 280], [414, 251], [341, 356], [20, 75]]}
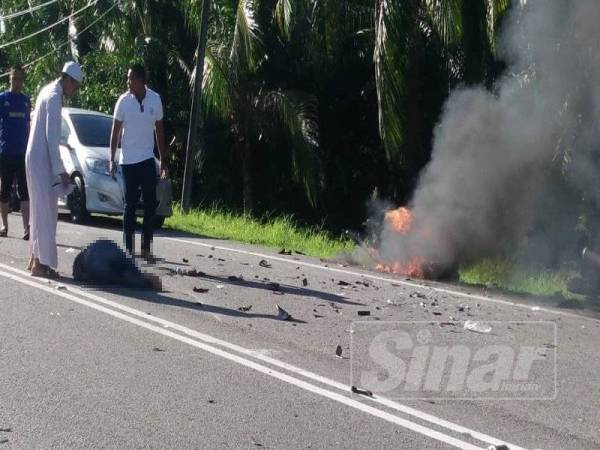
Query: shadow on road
{"points": [[162, 298]]}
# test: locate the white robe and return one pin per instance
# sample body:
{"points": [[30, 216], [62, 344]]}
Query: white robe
{"points": [[43, 165]]}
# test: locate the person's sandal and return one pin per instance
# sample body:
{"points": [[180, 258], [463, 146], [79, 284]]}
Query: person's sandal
{"points": [[26, 234], [3, 232], [44, 272]]}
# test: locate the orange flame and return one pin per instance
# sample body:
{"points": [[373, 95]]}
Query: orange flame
{"points": [[401, 222]]}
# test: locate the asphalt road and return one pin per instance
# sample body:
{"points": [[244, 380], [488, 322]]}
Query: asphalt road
{"points": [[85, 367]]}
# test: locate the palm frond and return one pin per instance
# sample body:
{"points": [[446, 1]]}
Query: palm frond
{"points": [[284, 15], [495, 11], [395, 21], [297, 113], [446, 18], [246, 39], [218, 84]]}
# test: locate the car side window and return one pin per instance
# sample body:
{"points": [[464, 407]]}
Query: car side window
{"points": [[64, 132]]}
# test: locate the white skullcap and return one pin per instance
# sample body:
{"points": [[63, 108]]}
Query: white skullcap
{"points": [[73, 70]]}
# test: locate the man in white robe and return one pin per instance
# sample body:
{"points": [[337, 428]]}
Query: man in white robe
{"points": [[45, 169]]}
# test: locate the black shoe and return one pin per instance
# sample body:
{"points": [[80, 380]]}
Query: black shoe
{"points": [[26, 234]]}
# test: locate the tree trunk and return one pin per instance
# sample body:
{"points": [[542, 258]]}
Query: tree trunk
{"points": [[247, 177]]}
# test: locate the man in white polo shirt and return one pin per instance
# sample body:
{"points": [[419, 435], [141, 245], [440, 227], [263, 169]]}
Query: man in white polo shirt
{"points": [[137, 118]]}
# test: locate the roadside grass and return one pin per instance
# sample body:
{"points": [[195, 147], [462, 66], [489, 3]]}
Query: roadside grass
{"points": [[283, 232], [276, 232], [509, 276]]}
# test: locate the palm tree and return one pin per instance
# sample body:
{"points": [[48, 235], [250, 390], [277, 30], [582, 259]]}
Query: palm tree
{"points": [[235, 91], [466, 32]]}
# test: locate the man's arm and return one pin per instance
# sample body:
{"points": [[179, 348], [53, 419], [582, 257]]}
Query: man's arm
{"points": [[162, 148], [114, 142]]}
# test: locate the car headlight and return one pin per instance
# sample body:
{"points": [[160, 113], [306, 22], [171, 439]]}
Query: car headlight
{"points": [[97, 165]]}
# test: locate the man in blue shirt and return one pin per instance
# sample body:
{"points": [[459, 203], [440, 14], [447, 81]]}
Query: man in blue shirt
{"points": [[15, 108]]}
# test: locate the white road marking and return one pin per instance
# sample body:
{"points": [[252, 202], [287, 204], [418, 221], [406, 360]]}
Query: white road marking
{"points": [[381, 278], [211, 340]]}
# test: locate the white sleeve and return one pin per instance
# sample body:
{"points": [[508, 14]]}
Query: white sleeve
{"points": [[159, 108], [53, 125], [119, 110]]}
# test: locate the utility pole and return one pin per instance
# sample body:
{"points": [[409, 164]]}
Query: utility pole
{"points": [[196, 110]]}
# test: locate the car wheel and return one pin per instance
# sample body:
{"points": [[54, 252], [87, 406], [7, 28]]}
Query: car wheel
{"points": [[76, 202], [158, 222]]}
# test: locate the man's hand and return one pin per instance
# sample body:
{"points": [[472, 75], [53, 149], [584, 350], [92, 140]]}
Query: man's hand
{"points": [[65, 179], [163, 171], [113, 170]]}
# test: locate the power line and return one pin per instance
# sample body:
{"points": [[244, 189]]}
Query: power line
{"points": [[31, 63], [26, 11], [16, 41]]}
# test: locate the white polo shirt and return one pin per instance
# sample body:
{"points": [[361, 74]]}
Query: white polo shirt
{"points": [[139, 120]]}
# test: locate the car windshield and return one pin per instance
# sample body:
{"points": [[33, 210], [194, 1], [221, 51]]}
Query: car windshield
{"points": [[92, 130]]}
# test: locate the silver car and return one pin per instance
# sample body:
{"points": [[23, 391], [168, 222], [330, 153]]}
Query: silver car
{"points": [[85, 152]]}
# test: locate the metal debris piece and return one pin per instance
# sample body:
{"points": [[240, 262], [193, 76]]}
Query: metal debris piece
{"points": [[418, 295], [338, 351], [305, 282], [274, 286], [156, 349], [437, 313], [343, 283], [282, 314], [245, 308], [264, 263], [61, 287], [200, 290], [361, 391], [364, 313], [185, 260]]}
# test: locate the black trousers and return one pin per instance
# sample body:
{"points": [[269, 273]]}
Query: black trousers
{"points": [[12, 167], [138, 176]]}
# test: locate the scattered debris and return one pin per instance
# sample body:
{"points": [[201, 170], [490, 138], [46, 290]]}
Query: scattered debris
{"points": [[343, 283], [418, 295], [338, 351], [200, 290], [392, 302], [185, 260], [364, 313], [212, 402], [361, 391], [264, 263], [70, 250], [274, 286], [437, 313], [283, 251], [189, 272], [282, 314], [498, 447], [219, 286], [5, 430], [234, 278], [245, 308], [447, 324], [477, 327], [156, 349], [299, 253], [221, 259], [305, 282], [60, 287], [318, 316]]}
